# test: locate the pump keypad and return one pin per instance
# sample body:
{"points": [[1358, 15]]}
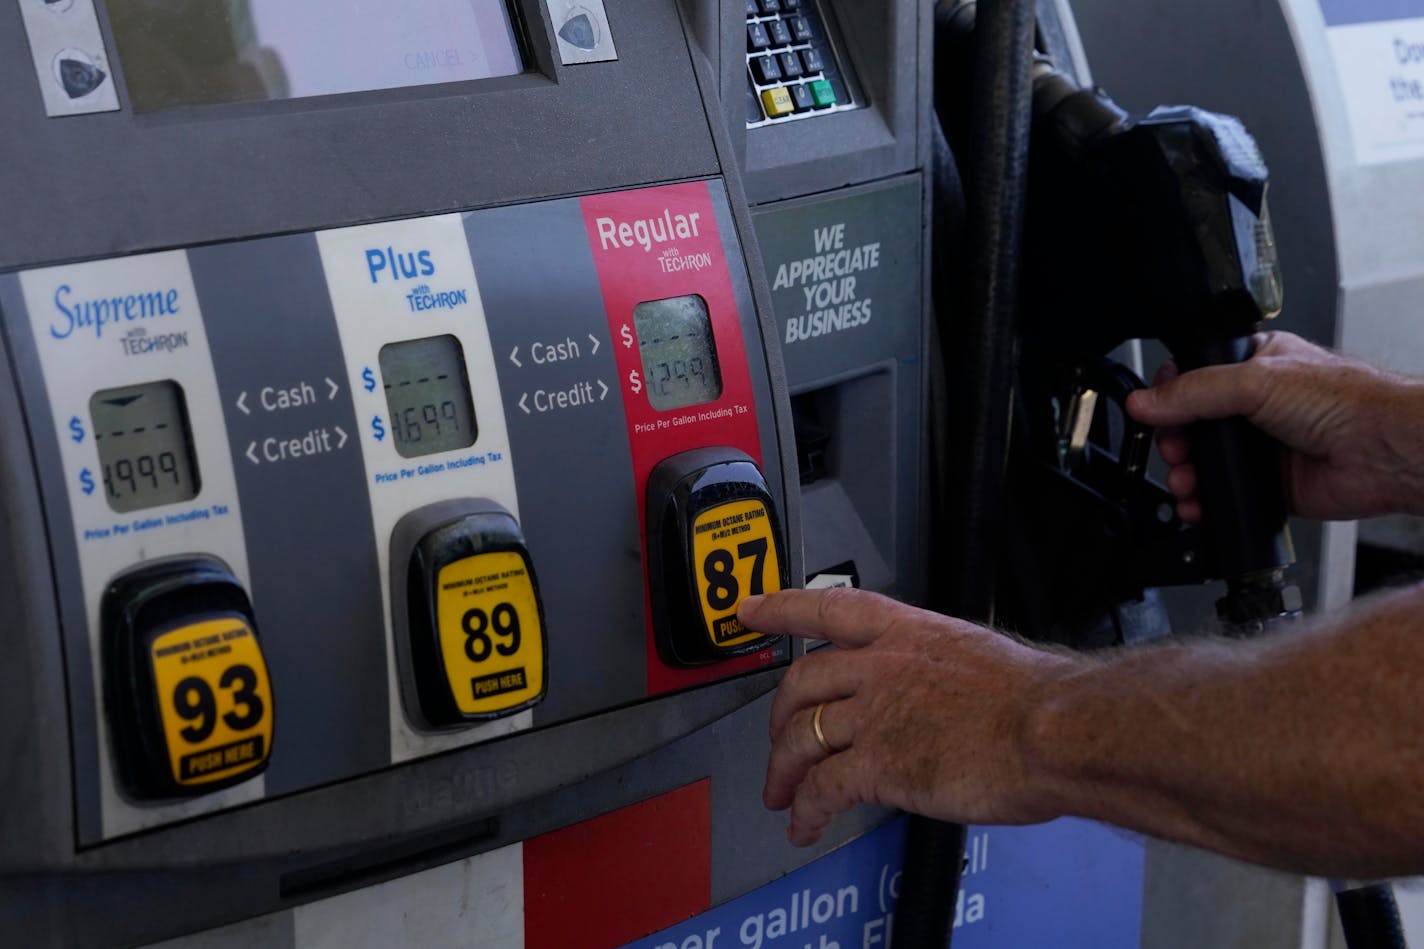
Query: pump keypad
{"points": [[791, 68], [188, 696], [476, 623]]}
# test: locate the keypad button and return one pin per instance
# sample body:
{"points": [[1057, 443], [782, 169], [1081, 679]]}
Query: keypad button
{"points": [[790, 4], [766, 70], [801, 95], [770, 6], [811, 60], [757, 38], [790, 65], [754, 113], [752, 8], [800, 29], [780, 35], [777, 102], [822, 92]]}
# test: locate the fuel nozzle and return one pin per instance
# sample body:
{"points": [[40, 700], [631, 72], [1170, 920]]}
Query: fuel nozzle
{"points": [[1157, 227]]}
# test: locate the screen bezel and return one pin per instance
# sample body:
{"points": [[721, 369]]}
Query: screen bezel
{"points": [[524, 49]]}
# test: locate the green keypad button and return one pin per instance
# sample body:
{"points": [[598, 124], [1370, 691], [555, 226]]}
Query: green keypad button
{"points": [[822, 92]]}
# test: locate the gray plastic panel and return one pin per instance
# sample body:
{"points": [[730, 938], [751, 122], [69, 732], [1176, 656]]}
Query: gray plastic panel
{"points": [[314, 613], [847, 279], [221, 172], [546, 314]]}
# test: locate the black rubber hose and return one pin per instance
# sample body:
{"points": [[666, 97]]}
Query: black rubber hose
{"points": [[985, 345], [1370, 917]]}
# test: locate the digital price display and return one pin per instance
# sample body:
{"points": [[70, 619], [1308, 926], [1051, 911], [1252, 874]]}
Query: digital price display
{"points": [[428, 395], [679, 354], [145, 446]]}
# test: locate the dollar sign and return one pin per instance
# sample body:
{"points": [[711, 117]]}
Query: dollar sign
{"points": [[86, 480], [368, 379], [627, 335], [76, 429], [377, 428], [635, 381]]}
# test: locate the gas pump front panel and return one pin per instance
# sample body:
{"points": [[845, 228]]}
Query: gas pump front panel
{"points": [[341, 500]]}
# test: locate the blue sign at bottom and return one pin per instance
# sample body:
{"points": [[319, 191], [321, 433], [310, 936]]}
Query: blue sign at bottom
{"points": [[1067, 884]]}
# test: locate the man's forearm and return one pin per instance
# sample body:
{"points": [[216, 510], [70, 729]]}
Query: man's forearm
{"points": [[1304, 751]]}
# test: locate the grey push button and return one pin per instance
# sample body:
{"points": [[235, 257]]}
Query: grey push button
{"points": [[582, 28], [71, 63]]}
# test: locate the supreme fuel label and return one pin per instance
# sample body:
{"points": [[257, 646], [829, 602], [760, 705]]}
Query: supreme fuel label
{"points": [[214, 699]]}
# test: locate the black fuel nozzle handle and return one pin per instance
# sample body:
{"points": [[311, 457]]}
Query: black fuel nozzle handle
{"points": [[1171, 231], [1244, 532], [1220, 187]]}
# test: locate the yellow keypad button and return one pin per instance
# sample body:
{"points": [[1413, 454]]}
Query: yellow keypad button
{"points": [[491, 636], [214, 699], [778, 102], [734, 556]]}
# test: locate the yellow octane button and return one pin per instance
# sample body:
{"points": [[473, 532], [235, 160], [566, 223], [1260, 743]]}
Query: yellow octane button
{"points": [[491, 637], [214, 699], [734, 554], [778, 102]]}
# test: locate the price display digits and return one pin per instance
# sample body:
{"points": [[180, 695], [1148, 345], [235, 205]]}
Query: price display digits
{"points": [[474, 646], [714, 539], [187, 693]]}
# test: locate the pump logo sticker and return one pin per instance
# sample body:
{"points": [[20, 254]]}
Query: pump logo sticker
{"points": [[491, 636], [214, 699], [734, 554]]}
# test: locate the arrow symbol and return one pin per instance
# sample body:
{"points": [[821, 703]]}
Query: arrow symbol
{"points": [[341, 432], [252, 453], [595, 344], [522, 400], [604, 386], [242, 403], [514, 357], [334, 389]]}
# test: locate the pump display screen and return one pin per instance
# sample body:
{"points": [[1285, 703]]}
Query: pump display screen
{"points": [[242, 50], [428, 395], [145, 448], [679, 354]]}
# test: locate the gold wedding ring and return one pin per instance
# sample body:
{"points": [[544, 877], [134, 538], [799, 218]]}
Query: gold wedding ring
{"points": [[820, 735]]}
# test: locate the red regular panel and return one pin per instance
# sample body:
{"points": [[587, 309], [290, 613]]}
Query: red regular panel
{"points": [[656, 244], [622, 876]]}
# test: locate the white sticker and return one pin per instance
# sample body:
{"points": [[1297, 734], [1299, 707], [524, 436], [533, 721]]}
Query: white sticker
{"points": [[1378, 48], [111, 324], [410, 280], [71, 62]]}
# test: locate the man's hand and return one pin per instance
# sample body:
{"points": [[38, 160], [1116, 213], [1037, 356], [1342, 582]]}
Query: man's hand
{"points": [[1353, 434], [924, 713]]}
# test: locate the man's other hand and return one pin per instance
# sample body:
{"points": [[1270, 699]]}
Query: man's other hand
{"points": [[1354, 442]]}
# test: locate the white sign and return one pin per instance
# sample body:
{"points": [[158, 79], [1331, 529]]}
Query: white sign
{"points": [[1381, 70]]}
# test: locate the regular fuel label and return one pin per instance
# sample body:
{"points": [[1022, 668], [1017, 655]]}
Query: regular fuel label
{"points": [[214, 699], [491, 636], [734, 554]]}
